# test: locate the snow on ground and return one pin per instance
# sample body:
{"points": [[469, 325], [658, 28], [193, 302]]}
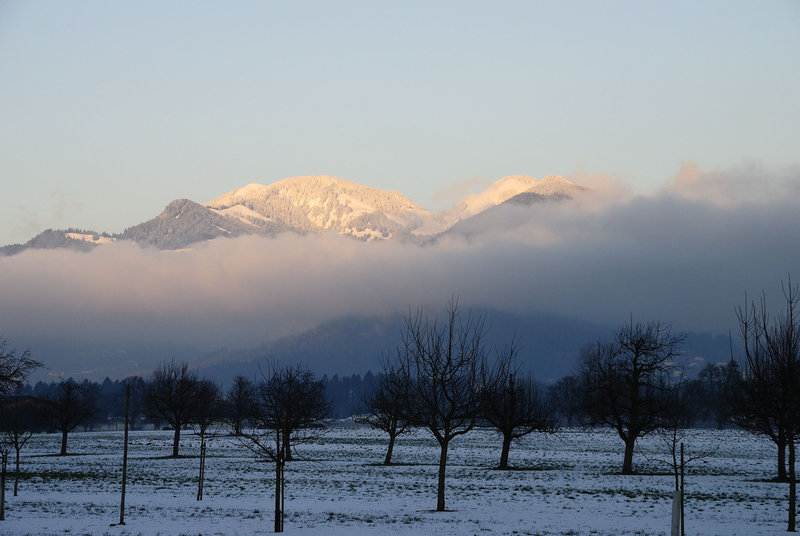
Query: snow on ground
{"points": [[565, 484]]}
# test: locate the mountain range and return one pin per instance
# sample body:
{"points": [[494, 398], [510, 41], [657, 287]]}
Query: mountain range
{"points": [[314, 204], [345, 343]]}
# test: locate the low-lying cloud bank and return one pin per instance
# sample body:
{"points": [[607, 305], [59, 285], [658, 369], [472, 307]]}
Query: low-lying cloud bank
{"points": [[674, 256]]}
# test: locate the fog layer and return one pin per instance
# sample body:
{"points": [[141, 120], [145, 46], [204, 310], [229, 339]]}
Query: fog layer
{"points": [[686, 255]]}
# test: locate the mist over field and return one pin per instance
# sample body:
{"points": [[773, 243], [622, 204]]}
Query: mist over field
{"points": [[686, 255]]}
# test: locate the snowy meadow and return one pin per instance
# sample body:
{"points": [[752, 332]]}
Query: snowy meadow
{"points": [[562, 484]]}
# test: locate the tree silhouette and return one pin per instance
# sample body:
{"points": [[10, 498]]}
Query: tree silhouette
{"points": [[15, 367], [239, 404], [71, 404], [441, 360], [288, 408], [626, 384], [20, 417], [386, 407], [514, 404], [770, 390], [170, 395]]}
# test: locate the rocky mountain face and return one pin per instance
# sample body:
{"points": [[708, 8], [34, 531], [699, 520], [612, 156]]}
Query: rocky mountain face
{"points": [[316, 204]]}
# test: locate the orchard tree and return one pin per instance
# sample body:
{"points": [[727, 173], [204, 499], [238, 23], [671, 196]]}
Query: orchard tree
{"points": [[239, 404], [566, 399], [17, 424], [441, 360], [770, 390], [206, 412], [626, 383], [170, 395], [71, 404], [289, 407], [15, 367], [386, 406], [20, 418], [514, 404]]}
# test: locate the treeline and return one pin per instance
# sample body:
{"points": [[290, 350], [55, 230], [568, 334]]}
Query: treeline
{"points": [[89, 405], [707, 398]]}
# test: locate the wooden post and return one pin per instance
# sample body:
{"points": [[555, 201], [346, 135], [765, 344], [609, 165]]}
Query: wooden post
{"points": [[278, 493], [125, 456], [683, 530], [675, 525], [202, 468], [3, 486], [279, 460]]}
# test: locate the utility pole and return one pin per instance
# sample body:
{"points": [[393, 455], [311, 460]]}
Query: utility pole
{"points": [[683, 530], [125, 456], [3, 485]]}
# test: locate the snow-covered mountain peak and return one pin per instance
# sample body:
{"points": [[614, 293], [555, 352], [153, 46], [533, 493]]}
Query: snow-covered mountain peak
{"points": [[508, 187], [322, 203], [251, 191]]}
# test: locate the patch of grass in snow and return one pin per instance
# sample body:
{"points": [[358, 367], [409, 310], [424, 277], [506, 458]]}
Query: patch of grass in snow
{"points": [[539, 467], [65, 474]]}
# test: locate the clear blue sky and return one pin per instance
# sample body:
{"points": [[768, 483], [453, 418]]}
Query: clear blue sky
{"points": [[109, 110]]}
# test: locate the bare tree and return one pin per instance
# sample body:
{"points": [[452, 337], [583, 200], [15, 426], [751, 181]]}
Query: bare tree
{"points": [[386, 407], [289, 407], [565, 397], [441, 360], [771, 386], [206, 412], [715, 382], [136, 404], [72, 404], [239, 404], [170, 395], [14, 367], [676, 423], [20, 417], [625, 384], [514, 404]]}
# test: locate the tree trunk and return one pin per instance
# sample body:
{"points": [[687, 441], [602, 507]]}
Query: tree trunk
{"points": [[287, 447], [176, 440], [63, 442], [3, 486], [782, 459], [388, 459], [16, 473], [125, 456], [442, 466], [504, 452], [202, 473], [278, 482], [792, 488], [627, 463]]}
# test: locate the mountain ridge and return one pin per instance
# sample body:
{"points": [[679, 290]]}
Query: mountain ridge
{"points": [[309, 204]]}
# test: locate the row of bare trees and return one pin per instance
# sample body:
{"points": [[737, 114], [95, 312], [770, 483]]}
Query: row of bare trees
{"points": [[634, 385], [446, 379]]}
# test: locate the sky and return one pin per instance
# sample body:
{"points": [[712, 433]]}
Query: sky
{"points": [[682, 118], [110, 110]]}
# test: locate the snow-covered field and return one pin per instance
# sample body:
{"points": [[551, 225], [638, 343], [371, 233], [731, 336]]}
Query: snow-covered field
{"points": [[566, 484]]}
